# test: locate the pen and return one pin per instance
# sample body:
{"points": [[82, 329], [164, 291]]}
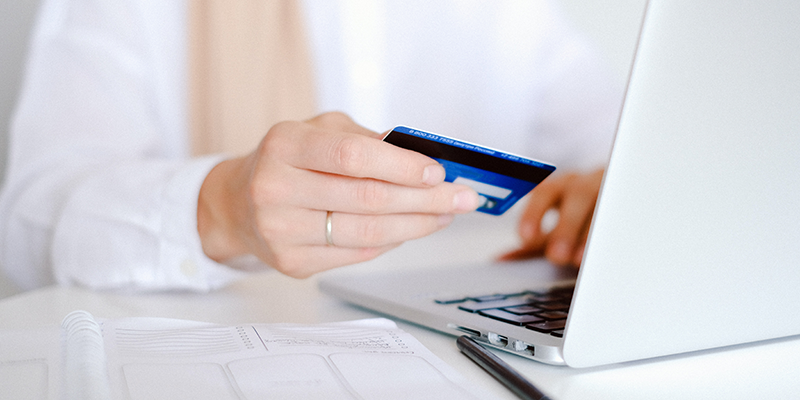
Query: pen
{"points": [[499, 369]]}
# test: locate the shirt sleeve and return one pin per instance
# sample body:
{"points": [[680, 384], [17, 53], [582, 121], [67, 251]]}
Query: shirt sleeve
{"points": [[100, 191]]}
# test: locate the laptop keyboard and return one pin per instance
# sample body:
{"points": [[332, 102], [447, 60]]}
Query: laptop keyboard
{"points": [[541, 311]]}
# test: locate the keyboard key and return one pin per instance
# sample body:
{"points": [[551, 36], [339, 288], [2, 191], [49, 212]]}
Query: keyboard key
{"points": [[475, 306], [558, 333], [553, 306], [517, 294], [453, 300], [548, 326], [511, 318], [524, 309], [552, 315], [545, 297], [491, 297]]}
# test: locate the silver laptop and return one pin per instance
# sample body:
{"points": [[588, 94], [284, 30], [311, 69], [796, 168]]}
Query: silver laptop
{"points": [[695, 241]]}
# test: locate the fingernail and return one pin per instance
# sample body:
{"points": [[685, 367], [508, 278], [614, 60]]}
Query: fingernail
{"points": [[433, 175], [465, 200]]}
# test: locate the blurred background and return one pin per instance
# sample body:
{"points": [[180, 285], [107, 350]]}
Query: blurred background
{"points": [[16, 20], [613, 25]]}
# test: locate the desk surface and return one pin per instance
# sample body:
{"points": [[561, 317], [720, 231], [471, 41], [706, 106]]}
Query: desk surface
{"points": [[765, 370]]}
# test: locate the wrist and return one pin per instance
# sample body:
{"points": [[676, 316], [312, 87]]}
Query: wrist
{"points": [[220, 210]]}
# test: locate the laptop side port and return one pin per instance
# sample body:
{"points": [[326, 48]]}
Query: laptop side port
{"points": [[497, 340], [522, 347], [468, 331]]}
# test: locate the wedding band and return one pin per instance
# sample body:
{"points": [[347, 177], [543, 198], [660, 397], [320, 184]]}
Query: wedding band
{"points": [[329, 229]]}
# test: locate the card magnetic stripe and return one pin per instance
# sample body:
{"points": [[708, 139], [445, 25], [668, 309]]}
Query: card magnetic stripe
{"points": [[528, 172]]}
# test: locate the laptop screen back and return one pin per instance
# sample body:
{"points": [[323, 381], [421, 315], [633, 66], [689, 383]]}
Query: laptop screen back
{"points": [[696, 237]]}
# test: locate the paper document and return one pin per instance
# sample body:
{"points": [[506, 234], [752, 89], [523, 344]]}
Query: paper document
{"points": [[154, 358]]}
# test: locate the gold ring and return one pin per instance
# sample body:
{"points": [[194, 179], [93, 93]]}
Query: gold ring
{"points": [[329, 229]]}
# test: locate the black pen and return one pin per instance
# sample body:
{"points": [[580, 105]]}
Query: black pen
{"points": [[498, 368]]}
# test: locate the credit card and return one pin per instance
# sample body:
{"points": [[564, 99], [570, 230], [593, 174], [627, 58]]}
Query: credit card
{"points": [[500, 178]]}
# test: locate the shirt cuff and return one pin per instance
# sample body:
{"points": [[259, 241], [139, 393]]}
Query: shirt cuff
{"points": [[182, 259]]}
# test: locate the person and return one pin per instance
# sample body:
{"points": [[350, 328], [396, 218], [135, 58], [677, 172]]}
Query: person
{"points": [[104, 188]]}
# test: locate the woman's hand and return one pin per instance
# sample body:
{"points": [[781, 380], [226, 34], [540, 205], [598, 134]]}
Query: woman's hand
{"points": [[274, 202], [573, 196]]}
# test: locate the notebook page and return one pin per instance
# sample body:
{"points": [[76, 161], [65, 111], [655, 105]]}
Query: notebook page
{"points": [[367, 359], [29, 361]]}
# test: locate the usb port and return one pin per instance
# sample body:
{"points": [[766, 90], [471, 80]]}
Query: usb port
{"points": [[522, 347], [497, 340]]}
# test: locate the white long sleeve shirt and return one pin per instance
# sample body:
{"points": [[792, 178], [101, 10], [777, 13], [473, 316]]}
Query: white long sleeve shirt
{"points": [[100, 189]]}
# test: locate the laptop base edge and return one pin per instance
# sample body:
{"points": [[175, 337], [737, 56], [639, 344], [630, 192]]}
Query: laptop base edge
{"points": [[543, 353]]}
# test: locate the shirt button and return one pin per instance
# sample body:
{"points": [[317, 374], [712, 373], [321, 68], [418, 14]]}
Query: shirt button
{"points": [[189, 268]]}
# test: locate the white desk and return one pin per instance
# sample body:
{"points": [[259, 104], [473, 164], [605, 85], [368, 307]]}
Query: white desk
{"points": [[768, 370]]}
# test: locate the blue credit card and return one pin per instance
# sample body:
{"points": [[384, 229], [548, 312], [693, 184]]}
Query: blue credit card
{"points": [[500, 178]]}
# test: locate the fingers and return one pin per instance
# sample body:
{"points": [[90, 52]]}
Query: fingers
{"points": [[533, 246], [318, 191], [544, 197], [573, 196], [338, 121], [307, 228], [312, 166], [299, 246], [564, 241], [318, 147], [579, 250], [368, 196], [355, 230], [567, 240], [302, 262]]}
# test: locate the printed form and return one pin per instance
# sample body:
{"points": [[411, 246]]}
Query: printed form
{"points": [[155, 358]]}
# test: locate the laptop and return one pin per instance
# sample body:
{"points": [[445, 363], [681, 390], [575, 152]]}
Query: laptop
{"points": [[695, 240]]}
